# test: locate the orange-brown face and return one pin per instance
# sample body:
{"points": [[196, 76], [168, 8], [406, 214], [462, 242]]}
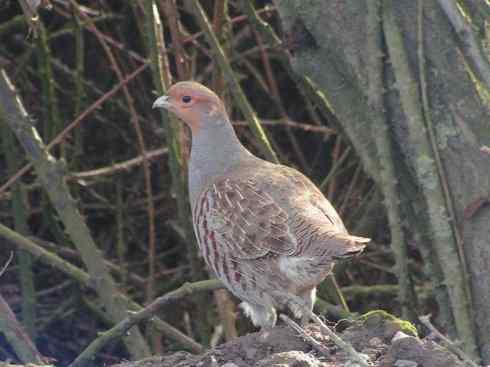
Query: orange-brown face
{"points": [[191, 102]]}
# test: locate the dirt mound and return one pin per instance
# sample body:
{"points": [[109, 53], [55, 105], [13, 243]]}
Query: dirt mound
{"points": [[386, 340]]}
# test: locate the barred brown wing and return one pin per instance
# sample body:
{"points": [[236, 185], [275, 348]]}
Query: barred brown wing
{"points": [[241, 220]]}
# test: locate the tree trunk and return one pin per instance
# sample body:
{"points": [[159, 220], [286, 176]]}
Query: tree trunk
{"points": [[407, 81]]}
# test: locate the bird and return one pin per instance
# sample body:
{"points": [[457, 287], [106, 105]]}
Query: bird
{"points": [[264, 229]]}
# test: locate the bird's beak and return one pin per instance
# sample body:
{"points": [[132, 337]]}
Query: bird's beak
{"points": [[161, 102]]}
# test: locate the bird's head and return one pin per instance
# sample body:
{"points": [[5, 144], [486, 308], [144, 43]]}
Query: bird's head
{"points": [[193, 103]]}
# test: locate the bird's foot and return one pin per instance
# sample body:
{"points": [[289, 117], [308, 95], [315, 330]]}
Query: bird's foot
{"points": [[305, 320], [264, 333]]}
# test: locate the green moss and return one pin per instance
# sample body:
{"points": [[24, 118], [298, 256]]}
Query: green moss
{"points": [[379, 316]]}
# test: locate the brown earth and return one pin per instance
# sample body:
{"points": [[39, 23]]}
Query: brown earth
{"points": [[387, 342]]}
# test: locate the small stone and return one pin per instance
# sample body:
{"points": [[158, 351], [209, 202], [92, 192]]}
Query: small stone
{"points": [[251, 353], [399, 335], [405, 363], [229, 364], [214, 362], [351, 363], [375, 342], [290, 359]]}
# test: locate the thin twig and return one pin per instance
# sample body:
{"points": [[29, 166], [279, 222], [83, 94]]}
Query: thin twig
{"points": [[234, 87], [360, 358], [120, 46], [324, 130], [334, 170], [51, 174], [181, 58], [350, 189], [141, 147], [276, 96], [313, 342], [337, 149], [16, 336], [62, 135], [85, 280], [472, 50], [103, 171], [121, 328], [117, 167], [425, 320], [7, 263]]}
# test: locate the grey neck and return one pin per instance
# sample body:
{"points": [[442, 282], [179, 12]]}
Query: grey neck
{"points": [[215, 150]]}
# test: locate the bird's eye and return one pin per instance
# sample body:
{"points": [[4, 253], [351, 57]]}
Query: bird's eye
{"points": [[186, 99]]}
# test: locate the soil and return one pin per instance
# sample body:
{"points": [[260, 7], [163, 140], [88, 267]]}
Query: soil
{"points": [[385, 340]]}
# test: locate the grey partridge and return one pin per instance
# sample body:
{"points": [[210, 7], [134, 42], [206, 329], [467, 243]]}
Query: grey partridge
{"points": [[264, 229]]}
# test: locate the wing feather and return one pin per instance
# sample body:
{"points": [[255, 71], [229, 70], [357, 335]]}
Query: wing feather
{"points": [[249, 224], [246, 220]]}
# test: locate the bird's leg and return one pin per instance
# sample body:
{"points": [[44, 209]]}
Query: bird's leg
{"points": [[309, 298], [301, 303], [263, 316]]}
